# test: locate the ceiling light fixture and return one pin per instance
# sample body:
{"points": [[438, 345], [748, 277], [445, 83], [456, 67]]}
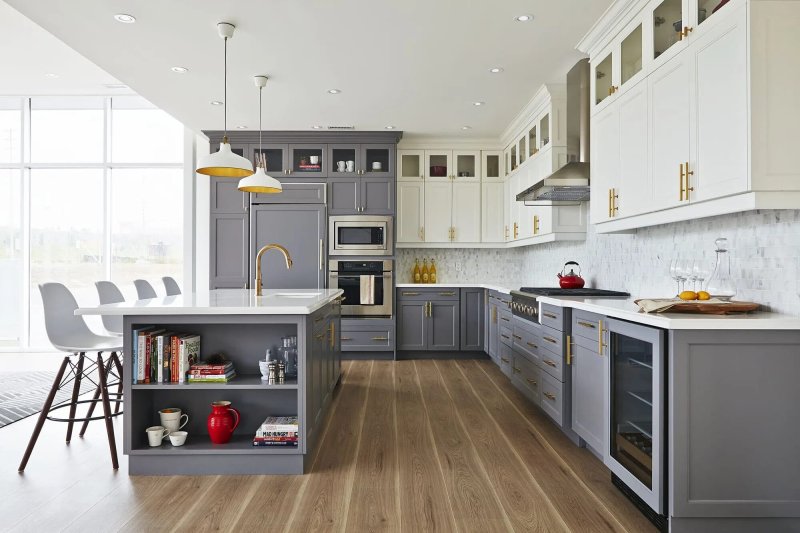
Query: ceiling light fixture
{"points": [[478, 103], [241, 127], [334, 91], [115, 86], [124, 18], [260, 181], [316, 127], [51, 75], [390, 127], [496, 70], [179, 70], [224, 163], [466, 127], [523, 18], [215, 102]]}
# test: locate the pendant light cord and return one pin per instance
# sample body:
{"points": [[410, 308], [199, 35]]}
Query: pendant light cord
{"points": [[225, 90], [260, 145]]}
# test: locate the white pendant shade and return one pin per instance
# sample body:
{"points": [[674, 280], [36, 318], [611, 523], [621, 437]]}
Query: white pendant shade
{"points": [[260, 182], [225, 164]]}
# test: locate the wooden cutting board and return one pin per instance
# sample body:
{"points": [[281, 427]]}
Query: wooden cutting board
{"points": [[712, 308]]}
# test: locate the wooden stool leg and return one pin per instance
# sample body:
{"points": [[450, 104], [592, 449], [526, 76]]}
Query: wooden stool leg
{"points": [[90, 412], [112, 443], [43, 415], [118, 365], [76, 389]]}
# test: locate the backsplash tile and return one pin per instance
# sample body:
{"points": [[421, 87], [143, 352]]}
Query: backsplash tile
{"points": [[765, 258]]}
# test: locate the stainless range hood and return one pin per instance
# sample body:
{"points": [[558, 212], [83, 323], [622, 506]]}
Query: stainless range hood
{"points": [[570, 183]]}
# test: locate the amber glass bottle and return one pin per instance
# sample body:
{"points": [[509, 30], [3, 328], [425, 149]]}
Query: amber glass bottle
{"points": [[416, 274], [432, 272], [425, 272]]}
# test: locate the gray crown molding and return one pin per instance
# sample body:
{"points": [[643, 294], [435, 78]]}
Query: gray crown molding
{"points": [[325, 137]]}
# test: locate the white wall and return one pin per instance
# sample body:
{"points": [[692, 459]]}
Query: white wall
{"points": [[765, 258]]}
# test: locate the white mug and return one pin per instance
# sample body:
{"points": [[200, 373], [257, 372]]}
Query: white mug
{"points": [[173, 419], [314, 159], [178, 438], [155, 434], [351, 166], [376, 165], [340, 166]]}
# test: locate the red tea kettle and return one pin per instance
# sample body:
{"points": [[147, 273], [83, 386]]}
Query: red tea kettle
{"points": [[570, 280]]}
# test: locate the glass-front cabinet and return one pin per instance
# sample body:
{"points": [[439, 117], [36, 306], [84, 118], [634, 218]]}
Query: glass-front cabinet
{"points": [[522, 150], [467, 165], [669, 26], [492, 165], [410, 165], [307, 160], [276, 156], [533, 143], [604, 78], [438, 165], [343, 160], [514, 161], [631, 52], [377, 160], [544, 130]]}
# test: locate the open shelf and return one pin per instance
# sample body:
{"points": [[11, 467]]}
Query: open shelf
{"points": [[202, 445], [636, 362], [239, 382], [642, 397]]}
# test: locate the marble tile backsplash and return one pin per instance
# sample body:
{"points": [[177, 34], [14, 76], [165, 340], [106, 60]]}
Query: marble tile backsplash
{"points": [[765, 258]]}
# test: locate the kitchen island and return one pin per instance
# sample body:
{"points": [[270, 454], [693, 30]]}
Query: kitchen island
{"points": [[243, 326]]}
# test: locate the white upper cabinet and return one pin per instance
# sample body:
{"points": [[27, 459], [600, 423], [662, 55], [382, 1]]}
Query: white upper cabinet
{"points": [[467, 165], [410, 165], [492, 220], [466, 212], [439, 165], [492, 165], [410, 211], [438, 211], [715, 129]]}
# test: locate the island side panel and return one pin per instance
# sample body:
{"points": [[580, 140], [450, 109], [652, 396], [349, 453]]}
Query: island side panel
{"points": [[734, 427]]}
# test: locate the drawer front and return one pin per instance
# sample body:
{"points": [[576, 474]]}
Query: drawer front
{"points": [[506, 335], [551, 339], [527, 377], [506, 359], [553, 398], [428, 294], [552, 316], [294, 193], [526, 342], [375, 340], [586, 325], [504, 316], [552, 363]]}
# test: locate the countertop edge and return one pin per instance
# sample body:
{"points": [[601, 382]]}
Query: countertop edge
{"points": [[492, 286]]}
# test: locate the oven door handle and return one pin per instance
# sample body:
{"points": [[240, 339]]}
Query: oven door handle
{"points": [[337, 275]]}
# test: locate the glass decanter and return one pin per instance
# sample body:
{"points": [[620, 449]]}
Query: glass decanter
{"points": [[720, 284]]}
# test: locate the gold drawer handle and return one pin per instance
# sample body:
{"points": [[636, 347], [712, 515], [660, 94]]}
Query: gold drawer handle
{"points": [[506, 319], [515, 370], [551, 363], [380, 338], [503, 359], [586, 324], [320, 336], [548, 339], [449, 293], [550, 315], [533, 382], [410, 294], [517, 337], [549, 396], [319, 319], [532, 345], [346, 338], [505, 336]]}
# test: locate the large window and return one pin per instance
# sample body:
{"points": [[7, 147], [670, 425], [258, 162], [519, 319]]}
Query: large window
{"points": [[91, 188]]}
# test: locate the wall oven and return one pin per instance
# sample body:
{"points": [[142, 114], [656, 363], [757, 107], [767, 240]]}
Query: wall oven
{"points": [[360, 235], [367, 287], [636, 414]]}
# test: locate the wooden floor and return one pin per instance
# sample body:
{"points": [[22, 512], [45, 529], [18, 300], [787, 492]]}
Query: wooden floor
{"points": [[408, 446]]}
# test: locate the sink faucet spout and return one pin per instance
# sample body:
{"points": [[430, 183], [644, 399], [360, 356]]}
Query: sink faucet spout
{"points": [[278, 247]]}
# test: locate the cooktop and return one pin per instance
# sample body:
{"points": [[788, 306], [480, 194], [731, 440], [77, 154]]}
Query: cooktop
{"points": [[557, 291]]}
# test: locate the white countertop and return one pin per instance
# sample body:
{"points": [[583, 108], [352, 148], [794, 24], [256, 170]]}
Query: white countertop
{"points": [[505, 288], [224, 302]]}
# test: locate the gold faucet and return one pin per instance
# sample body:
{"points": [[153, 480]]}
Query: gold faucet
{"points": [[278, 247]]}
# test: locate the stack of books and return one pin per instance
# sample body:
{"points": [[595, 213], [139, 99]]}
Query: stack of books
{"points": [[310, 168], [211, 372], [161, 356], [277, 431]]}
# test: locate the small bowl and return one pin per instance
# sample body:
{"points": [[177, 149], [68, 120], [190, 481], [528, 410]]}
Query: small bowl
{"points": [[178, 438]]}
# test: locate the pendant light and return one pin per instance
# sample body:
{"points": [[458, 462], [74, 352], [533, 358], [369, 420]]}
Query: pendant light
{"points": [[260, 181], [224, 163]]}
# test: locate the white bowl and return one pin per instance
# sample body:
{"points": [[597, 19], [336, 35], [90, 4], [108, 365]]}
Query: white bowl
{"points": [[178, 438]]}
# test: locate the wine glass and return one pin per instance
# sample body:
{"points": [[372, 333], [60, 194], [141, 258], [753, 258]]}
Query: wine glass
{"points": [[690, 272], [673, 273], [701, 271]]}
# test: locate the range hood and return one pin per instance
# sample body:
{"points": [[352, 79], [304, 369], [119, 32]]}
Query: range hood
{"points": [[570, 183]]}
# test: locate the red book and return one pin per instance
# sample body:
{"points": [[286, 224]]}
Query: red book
{"points": [[275, 439]]}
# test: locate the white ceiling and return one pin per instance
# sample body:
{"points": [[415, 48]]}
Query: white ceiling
{"points": [[414, 64], [30, 54]]}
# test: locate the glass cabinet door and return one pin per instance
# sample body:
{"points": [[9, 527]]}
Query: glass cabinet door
{"points": [[467, 165], [410, 165], [343, 160], [668, 24], [307, 160], [604, 78], [491, 166], [544, 130], [514, 163], [276, 157], [533, 143], [631, 52], [438, 165], [706, 8], [377, 160]]}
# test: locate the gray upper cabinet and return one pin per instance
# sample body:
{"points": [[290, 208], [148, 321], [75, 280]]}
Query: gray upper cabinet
{"points": [[411, 325], [294, 193], [308, 160], [339, 155], [443, 326], [226, 197], [471, 317], [361, 196], [377, 160], [344, 196], [229, 253], [277, 157], [301, 229]]}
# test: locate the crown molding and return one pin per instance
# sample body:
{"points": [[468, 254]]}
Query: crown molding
{"points": [[610, 23], [546, 93], [299, 136]]}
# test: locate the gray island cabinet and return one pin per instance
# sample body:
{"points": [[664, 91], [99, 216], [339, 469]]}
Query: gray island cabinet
{"points": [[243, 326]]}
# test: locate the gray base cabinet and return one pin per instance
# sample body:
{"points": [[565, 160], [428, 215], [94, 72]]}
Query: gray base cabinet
{"points": [[589, 370], [472, 319], [440, 319], [443, 326], [368, 335], [361, 196]]}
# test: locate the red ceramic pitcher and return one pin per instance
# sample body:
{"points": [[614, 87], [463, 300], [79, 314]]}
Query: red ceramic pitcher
{"points": [[222, 421]]}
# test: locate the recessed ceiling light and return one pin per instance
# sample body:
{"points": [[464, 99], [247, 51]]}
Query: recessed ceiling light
{"points": [[316, 127], [50, 75], [241, 127], [496, 70], [126, 19], [478, 103], [390, 127], [179, 70], [523, 18], [216, 102], [466, 127], [334, 91], [115, 86]]}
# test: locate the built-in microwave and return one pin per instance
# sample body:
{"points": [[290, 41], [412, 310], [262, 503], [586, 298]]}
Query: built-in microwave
{"points": [[360, 235]]}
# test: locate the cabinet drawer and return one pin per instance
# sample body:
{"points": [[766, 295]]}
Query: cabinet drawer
{"points": [[506, 359], [586, 325], [506, 335], [552, 316], [551, 339], [552, 363], [294, 193], [552, 398], [428, 294], [526, 341], [504, 316], [527, 377], [378, 340]]}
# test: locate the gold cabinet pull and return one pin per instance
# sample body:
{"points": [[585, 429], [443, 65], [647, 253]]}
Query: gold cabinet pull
{"points": [[319, 319], [380, 338], [320, 336], [505, 336], [680, 181], [548, 362], [569, 350], [494, 314], [410, 293], [447, 293], [506, 319], [550, 396], [600, 342], [516, 230], [333, 334], [346, 338], [686, 174], [532, 382], [535, 224], [548, 339], [532, 345], [586, 324], [517, 337], [515, 370], [503, 359], [610, 192], [550, 315], [614, 207], [686, 31], [506, 232]]}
